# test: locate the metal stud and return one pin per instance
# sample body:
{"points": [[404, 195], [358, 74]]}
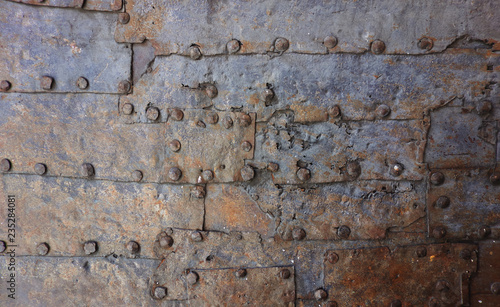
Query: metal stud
{"points": [[344, 232], [152, 113], [87, 170], [298, 234], [281, 44], [194, 52], [174, 174], [330, 42], [133, 247], [5, 165], [377, 46], [247, 173], [82, 83], [233, 46], [40, 169], [5, 85], [90, 247], [43, 249], [127, 108]]}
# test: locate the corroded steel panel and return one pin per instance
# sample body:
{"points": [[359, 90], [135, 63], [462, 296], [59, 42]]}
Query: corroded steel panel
{"points": [[94, 5], [485, 285]]}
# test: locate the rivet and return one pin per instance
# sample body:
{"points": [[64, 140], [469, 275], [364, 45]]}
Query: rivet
{"points": [[245, 120], [5, 85], [207, 175], [434, 302], [82, 83], [42, 249], [247, 173], [174, 174], [90, 247], [397, 169], [425, 43], [246, 146], [210, 91], [152, 113], [87, 170], [5, 165], [3, 246], [133, 247], [353, 169], [198, 191], [495, 288], [233, 46], [484, 107], [168, 231], [176, 114], [285, 274], [344, 232], [212, 118], [273, 167], [47, 82], [174, 145], [281, 44], [40, 169], [227, 122], [303, 174], [439, 232], [332, 257], [495, 178], [137, 175], [320, 294], [421, 251], [241, 273], [334, 111], [442, 286], [267, 96], [124, 86], [165, 240], [194, 52], [437, 178], [330, 42], [192, 278], [466, 254], [127, 108], [298, 234], [442, 202], [160, 292], [200, 123], [123, 18], [196, 236], [484, 231], [377, 46], [396, 303], [383, 111]]}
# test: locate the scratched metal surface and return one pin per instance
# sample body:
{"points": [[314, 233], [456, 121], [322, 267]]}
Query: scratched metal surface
{"points": [[261, 153]]}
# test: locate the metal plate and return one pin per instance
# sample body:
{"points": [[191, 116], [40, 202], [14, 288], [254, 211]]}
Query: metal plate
{"points": [[94, 5], [62, 44], [378, 276], [174, 25], [488, 273], [473, 204], [310, 85]]}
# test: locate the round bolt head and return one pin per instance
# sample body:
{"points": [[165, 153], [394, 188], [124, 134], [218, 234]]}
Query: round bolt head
{"points": [[233, 46], [303, 174], [484, 107], [439, 232], [160, 293], [332, 257], [166, 241], [298, 234], [212, 118], [227, 122], [194, 52], [241, 273], [334, 111], [90, 247], [152, 113], [320, 294], [353, 169], [87, 170], [196, 236], [442, 202], [137, 175], [267, 96], [396, 303], [192, 278], [285, 274], [397, 169], [211, 91], [127, 108], [198, 192], [5, 85], [5, 165], [207, 175], [200, 124], [174, 174], [344, 232], [383, 111], [377, 46], [495, 288], [245, 120], [437, 178], [82, 83], [273, 167], [425, 43], [421, 252], [47, 82], [495, 178], [484, 231], [133, 247], [3, 246], [174, 145], [281, 44], [176, 114], [246, 146], [330, 42], [42, 249], [40, 169], [123, 18], [247, 173], [124, 86], [466, 254]]}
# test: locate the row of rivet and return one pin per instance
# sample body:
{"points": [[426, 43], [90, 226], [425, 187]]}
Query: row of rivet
{"points": [[47, 83], [89, 247]]}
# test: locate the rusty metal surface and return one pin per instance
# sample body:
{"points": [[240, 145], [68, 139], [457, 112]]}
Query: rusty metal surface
{"points": [[93, 5], [487, 277]]}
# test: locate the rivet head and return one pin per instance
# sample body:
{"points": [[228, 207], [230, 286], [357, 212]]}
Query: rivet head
{"points": [[267, 96], [241, 273], [133, 247], [212, 118], [281, 44], [176, 114], [87, 170], [344, 232], [42, 249], [165, 240], [47, 82], [192, 278], [442, 202], [334, 111], [273, 167], [40, 169], [437, 178], [174, 145], [124, 86], [466, 254], [5, 165], [152, 113], [123, 18], [245, 120], [5, 85], [211, 91], [227, 122], [207, 175], [174, 173], [383, 111], [330, 42], [82, 83], [3, 246], [425, 43], [137, 175], [353, 169], [194, 52], [127, 108], [397, 169], [332, 257], [200, 124], [439, 232], [442, 286], [198, 191], [196, 236], [484, 231], [396, 303], [320, 294], [484, 107], [90, 247], [495, 288], [246, 146], [285, 274], [233, 46], [495, 178], [377, 46], [303, 174], [298, 234], [247, 173], [160, 293], [421, 251]]}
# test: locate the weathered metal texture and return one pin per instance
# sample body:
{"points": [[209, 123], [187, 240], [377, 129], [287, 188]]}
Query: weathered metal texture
{"points": [[472, 203], [380, 277], [93, 5], [63, 45], [487, 278], [311, 85], [174, 26]]}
